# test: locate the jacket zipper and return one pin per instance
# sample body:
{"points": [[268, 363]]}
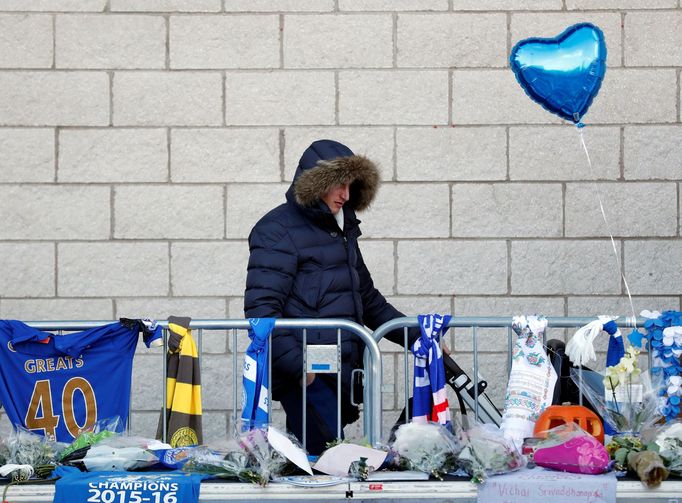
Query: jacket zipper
{"points": [[350, 273]]}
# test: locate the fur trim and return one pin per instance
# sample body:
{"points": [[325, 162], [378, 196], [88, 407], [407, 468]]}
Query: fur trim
{"points": [[363, 174]]}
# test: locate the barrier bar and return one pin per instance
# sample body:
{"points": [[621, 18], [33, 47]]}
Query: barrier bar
{"points": [[373, 369], [475, 322]]}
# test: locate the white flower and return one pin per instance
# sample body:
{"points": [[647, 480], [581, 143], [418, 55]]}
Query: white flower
{"points": [[673, 432], [428, 446], [625, 371]]}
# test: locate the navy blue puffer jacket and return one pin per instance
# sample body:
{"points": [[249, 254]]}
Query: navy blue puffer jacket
{"points": [[302, 265]]}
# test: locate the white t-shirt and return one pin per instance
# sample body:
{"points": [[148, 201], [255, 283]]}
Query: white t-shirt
{"points": [[339, 218]]}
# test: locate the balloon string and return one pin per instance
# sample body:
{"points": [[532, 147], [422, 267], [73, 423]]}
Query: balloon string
{"points": [[608, 228]]}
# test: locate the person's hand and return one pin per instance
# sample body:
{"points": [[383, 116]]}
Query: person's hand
{"points": [[309, 378], [444, 347]]}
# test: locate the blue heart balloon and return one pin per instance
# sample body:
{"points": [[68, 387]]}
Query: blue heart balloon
{"points": [[564, 73]]}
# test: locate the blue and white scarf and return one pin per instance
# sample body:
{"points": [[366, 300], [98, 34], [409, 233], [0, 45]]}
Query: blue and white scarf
{"points": [[255, 377], [616, 349], [429, 399]]}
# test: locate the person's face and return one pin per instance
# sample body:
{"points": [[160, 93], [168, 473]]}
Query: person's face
{"points": [[337, 197]]}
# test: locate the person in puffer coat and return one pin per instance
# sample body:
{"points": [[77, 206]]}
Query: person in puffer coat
{"points": [[305, 263]]}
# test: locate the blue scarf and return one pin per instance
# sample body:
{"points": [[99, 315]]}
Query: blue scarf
{"points": [[255, 378], [429, 399], [616, 348], [614, 353]]}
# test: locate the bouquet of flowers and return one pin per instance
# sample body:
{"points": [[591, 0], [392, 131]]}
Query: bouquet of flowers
{"points": [[118, 453], [487, 452], [623, 395], [426, 447], [102, 429], [263, 457], [629, 452], [627, 400], [569, 448], [4, 451], [231, 464], [249, 458], [26, 449], [654, 455], [668, 442], [23, 455]]}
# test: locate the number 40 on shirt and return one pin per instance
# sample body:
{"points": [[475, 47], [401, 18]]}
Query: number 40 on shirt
{"points": [[58, 385]]}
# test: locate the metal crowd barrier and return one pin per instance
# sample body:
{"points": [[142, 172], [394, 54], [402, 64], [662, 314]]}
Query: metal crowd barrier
{"points": [[372, 372], [471, 391]]}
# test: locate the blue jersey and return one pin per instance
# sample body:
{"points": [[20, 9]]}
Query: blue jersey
{"points": [[57, 385]]}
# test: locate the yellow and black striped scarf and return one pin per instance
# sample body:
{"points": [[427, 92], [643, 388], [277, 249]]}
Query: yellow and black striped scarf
{"points": [[183, 386]]}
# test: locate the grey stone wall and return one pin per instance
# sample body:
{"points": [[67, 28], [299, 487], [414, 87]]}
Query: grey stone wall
{"points": [[141, 139]]}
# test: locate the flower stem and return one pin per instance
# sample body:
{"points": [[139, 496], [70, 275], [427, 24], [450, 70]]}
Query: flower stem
{"points": [[613, 392]]}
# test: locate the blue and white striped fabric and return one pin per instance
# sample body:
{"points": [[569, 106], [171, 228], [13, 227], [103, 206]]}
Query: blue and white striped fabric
{"points": [[429, 399], [255, 378]]}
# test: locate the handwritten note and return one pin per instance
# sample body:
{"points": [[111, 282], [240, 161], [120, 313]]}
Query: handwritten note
{"points": [[537, 485]]}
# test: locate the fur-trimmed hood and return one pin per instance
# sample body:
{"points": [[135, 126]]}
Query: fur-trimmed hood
{"points": [[327, 163]]}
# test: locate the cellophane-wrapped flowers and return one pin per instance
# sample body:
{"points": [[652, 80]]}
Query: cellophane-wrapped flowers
{"points": [[426, 447], [249, 458], [26, 448], [668, 441], [623, 395], [487, 452]]}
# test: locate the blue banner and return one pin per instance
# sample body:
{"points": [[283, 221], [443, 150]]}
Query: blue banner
{"points": [[128, 487]]}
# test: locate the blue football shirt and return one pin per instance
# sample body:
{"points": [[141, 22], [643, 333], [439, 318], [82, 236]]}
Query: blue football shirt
{"points": [[57, 385]]}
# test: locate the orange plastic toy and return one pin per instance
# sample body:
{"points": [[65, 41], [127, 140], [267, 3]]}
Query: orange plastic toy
{"points": [[557, 415]]}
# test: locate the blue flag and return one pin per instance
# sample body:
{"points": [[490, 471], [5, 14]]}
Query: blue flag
{"points": [[256, 380]]}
